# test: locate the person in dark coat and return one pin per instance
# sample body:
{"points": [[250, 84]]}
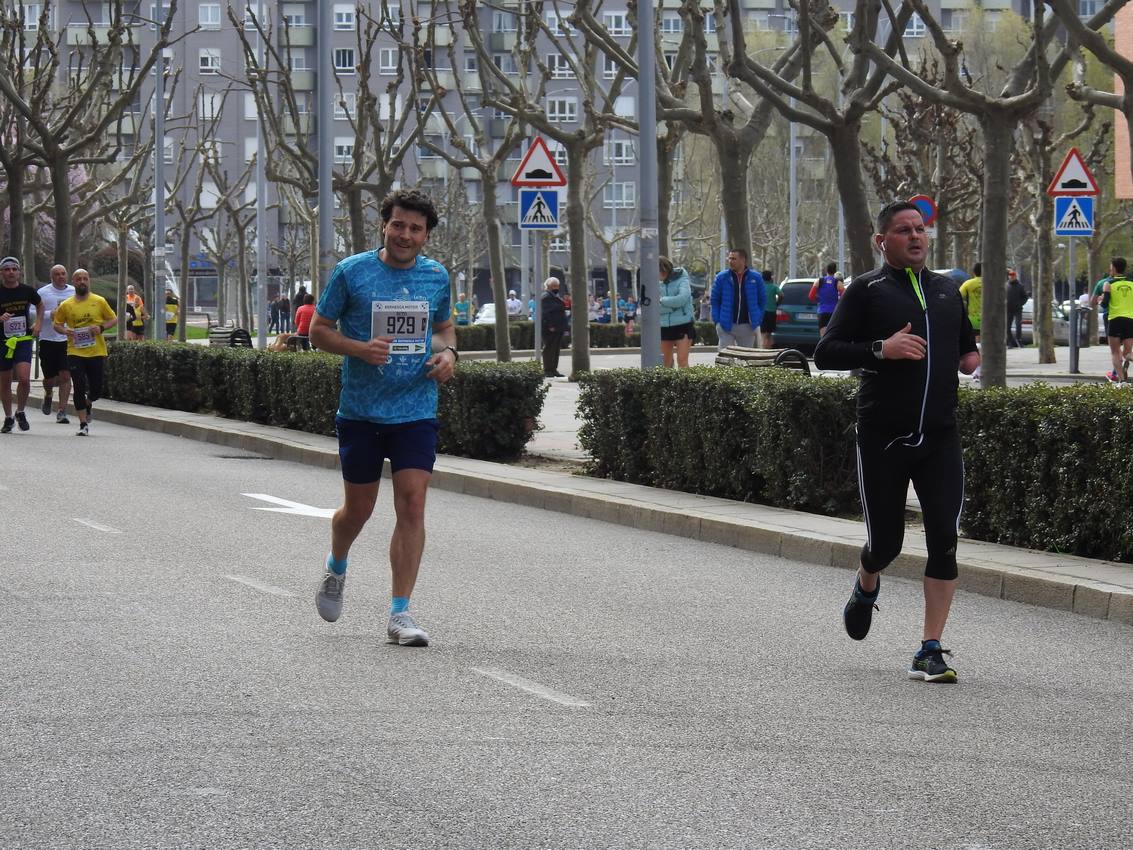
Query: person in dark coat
{"points": [[553, 327], [1016, 298]]}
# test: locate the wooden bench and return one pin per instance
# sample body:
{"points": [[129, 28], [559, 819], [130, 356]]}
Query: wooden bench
{"points": [[785, 358], [228, 336]]}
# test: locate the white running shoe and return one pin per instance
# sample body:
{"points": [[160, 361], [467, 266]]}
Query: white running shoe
{"points": [[404, 631], [84, 430], [328, 599]]}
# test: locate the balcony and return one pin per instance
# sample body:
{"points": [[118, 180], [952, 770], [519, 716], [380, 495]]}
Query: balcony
{"points": [[81, 35], [501, 42], [301, 123], [444, 78], [442, 36], [300, 36], [131, 123], [303, 80], [470, 174], [435, 124], [433, 169]]}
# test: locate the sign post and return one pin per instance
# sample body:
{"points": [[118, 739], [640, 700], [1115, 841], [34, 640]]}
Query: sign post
{"points": [[1073, 189], [538, 180]]}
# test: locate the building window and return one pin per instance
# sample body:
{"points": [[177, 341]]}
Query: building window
{"points": [[344, 60], [557, 25], [915, 28], [297, 59], [425, 152], [210, 60], [209, 104], [345, 106], [671, 22], [387, 60], [504, 22], [619, 196], [619, 152], [31, 12], [208, 16], [343, 149], [506, 63], [1087, 9], [167, 149], [251, 111], [617, 23], [562, 110], [847, 19], [560, 244], [344, 16], [953, 20], [559, 67], [294, 15], [609, 68], [250, 146], [710, 22], [471, 62]]}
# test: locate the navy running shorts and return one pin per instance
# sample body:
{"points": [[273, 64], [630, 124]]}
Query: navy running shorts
{"points": [[364, 446], [22, 354]]}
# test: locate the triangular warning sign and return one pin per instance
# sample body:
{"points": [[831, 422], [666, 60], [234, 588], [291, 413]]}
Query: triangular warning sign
{"points": [[541, 211], [1074, 218], [538, 168], [1073, 177]]}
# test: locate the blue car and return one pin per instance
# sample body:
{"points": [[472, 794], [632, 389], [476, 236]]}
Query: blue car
{"points": [[796, 320]]}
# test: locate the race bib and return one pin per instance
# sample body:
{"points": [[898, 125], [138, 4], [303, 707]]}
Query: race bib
{"points": [[83, 338], [170, 316], [406, 321], [16, 326]]}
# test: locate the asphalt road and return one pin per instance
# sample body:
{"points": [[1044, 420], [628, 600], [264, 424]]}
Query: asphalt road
{"points": [[167, 683]]}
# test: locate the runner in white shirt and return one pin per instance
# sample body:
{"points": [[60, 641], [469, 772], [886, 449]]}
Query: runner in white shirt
{"points": [[514, 305], [53, 345]]}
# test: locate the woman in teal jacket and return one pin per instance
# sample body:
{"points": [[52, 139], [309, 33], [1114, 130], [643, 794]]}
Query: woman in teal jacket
{"points": [[677, 328]]}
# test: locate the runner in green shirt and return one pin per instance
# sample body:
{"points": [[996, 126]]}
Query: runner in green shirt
{"points": [[1096, 301], [971, 291], [1117, 298]]}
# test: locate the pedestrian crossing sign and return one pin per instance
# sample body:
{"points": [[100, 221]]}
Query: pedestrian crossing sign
{"points": [[1073, 216], [538, 209]]}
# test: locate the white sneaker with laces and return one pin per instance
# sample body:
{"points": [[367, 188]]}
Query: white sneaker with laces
{"points": [[328, 598], [403, 630]]}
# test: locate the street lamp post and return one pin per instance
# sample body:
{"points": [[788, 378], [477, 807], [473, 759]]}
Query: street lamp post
{"points": [[793, 257], [261, 210], [647, 123], [158, 188]]}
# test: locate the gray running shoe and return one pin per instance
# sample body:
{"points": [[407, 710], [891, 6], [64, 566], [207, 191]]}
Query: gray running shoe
{"points": [[22, 420], [61, 418], [328, 599], [83, 431], [46, 406], [404, 631]]}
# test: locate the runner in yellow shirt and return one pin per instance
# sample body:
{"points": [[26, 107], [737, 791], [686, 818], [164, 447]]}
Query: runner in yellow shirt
{"points": [[1117, 298], [971, 291], [82, 319]]}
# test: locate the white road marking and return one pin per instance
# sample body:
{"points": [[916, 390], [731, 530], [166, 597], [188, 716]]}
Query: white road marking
{"points": [[97, 526], [289, 507], [260, 586], [541, 691]]}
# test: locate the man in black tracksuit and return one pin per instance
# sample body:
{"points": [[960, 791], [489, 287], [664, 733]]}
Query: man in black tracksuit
{"points": [[907, 330], [554, 326]]}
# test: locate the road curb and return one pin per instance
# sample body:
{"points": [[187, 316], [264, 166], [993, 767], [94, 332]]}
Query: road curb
{"points": [[827, 541]]}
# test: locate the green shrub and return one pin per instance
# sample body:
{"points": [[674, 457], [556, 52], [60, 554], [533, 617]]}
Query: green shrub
{"points": [[488, 410]]}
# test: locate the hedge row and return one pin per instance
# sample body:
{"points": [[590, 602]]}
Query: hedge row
{"points": [[487, 411], [1046, 468], [522, 336]]}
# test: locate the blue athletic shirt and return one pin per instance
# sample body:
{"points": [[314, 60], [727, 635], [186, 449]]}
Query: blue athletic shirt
{"points": [[398, 391], [827, 293]]}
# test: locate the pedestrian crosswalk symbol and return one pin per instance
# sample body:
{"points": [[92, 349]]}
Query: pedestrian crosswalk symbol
{"points": [[538, 209], [1073, 216]]}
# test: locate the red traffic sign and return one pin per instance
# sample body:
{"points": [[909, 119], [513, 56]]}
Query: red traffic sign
{"points": [[927, 206], [538, 169], [1073, 178]]}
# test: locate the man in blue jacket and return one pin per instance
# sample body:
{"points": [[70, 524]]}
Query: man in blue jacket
{"points": [[737, 301]]}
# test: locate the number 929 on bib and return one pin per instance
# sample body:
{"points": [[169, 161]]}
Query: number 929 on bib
{"points": [[407, 322]]}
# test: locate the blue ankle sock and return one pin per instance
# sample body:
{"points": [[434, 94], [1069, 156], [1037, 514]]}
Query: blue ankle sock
{"points": [[336, 566], [928, 646], [399, 605]]}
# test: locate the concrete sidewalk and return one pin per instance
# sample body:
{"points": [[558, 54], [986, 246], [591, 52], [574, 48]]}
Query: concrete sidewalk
{"points": [[1094, 588]]}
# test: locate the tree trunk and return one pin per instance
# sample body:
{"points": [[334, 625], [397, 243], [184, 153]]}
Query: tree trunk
{"points": [[221, 296], [313, 271], [496, 267], [61, 192], [664, 194], [357, 211], [1042, 293], [999, 141], [15, 236], [242, 278], [183, 286], [734, 159], [846, 147], [123, 277], [576, 227], [27, 224]]}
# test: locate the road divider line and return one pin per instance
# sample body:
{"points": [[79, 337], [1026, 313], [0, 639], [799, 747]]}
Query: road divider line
{"points": [[534, 688], [289, 507], [260, 586], [97, 526]]}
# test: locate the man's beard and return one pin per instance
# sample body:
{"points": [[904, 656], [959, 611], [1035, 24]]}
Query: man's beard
{"points": [[81, 290]]}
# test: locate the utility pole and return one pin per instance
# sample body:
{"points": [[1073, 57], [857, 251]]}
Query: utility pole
{"points": [[326, 145], [157, 295], [261, 212], [647, 180]]}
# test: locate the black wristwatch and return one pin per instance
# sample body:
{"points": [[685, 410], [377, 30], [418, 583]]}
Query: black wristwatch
{"points": [[455, 353], [878, 349]]}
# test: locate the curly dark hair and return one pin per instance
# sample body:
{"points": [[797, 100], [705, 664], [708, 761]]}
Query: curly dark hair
{"points": [[410, 199]]}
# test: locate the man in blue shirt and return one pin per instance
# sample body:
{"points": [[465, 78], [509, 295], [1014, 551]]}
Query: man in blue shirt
{"points": [[388, 313], [737, 301]]}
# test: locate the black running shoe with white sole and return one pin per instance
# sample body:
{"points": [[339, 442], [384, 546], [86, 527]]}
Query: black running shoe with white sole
{"points": [[929, 664], [858, 613]]}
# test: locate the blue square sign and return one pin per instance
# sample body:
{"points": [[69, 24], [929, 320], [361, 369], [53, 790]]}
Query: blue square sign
{"points": [[538, 209], [1073, 216]]}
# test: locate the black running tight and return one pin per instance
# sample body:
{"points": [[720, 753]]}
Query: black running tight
{"points": [[86, 379]]}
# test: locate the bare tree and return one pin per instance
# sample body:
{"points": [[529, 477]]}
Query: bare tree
{"points": [[240, 213]]}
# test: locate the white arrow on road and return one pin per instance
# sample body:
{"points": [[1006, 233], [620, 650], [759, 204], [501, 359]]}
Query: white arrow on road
{"points": [[289, 507]]}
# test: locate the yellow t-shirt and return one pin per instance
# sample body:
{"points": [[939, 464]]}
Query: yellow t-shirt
{"points": [[1120, 298], [972, 291], [80, 316]]}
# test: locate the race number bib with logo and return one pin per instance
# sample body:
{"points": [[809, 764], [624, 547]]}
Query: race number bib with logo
{"points": [[16, 326], [170, 316], [406, 321], [83, 337]]}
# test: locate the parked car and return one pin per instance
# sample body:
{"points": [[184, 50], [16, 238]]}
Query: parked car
{"points": [[1058, 320], [796, 320], [486, 315]]}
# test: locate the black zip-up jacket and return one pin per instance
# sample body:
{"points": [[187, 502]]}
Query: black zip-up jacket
{"points": [[900, 398], [554, 313]]}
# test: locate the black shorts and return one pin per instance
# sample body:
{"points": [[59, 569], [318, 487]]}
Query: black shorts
{"points": [[364, 446], [768, 323], [52, 357], [672, 334], [824, 319], [1120, 327], [20, 354]]}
